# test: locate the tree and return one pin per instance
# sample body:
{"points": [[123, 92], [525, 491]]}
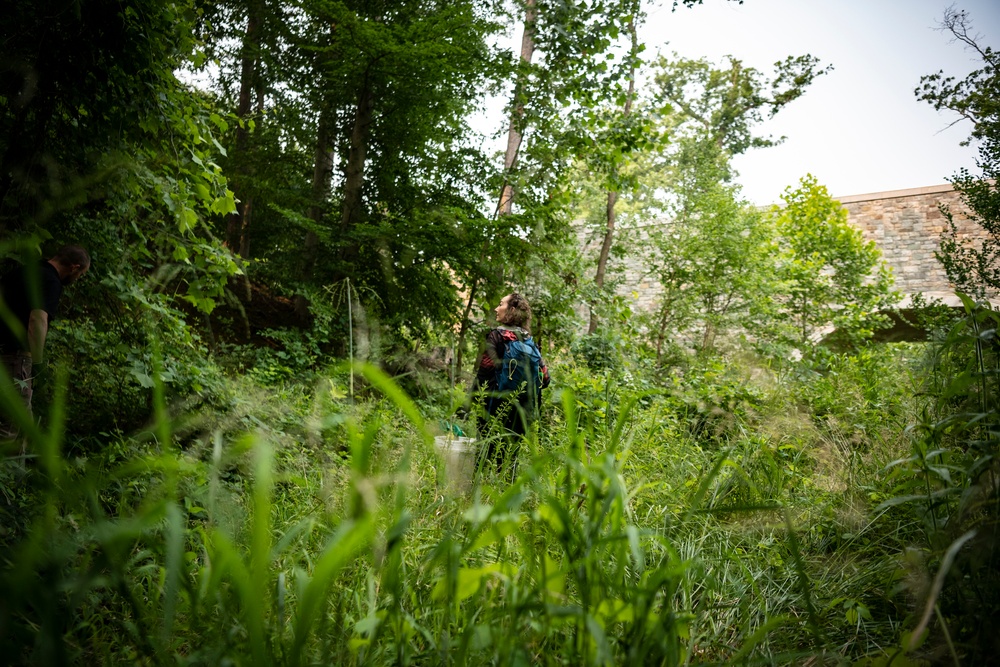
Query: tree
{"points": [[973, 268], [245, 41], [407, 178], [371, 177], [101, 144], [551, 103], [612, 133], [962, 413], [714, 258], [715, 263], [618, 153], [833, 278], [723, 105], [96, 127]]}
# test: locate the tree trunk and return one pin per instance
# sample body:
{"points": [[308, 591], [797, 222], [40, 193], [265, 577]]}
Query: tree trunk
{"points": [[536, 329], [514, 129], [239, 221], [609, 228], [354, 172], [602, 260], [708, 337], [514, 135], [661, 333], [322, 171], [245, 229], [464, 327]]}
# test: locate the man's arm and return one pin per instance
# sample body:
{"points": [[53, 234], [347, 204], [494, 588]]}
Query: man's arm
{"points": [[38, 328]]}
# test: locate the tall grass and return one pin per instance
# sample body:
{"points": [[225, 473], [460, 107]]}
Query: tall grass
{"points": [[631, 543]]}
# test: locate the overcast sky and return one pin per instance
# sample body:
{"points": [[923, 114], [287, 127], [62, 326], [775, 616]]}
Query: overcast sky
{"points": [[858, 129]]}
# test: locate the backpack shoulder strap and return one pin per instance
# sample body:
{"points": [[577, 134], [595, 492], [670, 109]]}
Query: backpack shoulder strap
{"points": [[520, 333]]}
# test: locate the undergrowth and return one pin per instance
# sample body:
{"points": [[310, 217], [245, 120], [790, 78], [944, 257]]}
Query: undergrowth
{"points": [[735, 514]]}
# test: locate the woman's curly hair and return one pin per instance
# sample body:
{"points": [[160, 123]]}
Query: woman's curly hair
{"points": [[518, 313]]}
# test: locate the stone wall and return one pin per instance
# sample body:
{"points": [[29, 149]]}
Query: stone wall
{"points": [[905, 224], [637, 284]]}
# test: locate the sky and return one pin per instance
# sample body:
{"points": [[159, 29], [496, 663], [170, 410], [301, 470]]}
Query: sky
{"points": [[858, 129]]}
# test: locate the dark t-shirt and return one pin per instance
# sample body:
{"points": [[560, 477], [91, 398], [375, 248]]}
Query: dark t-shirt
{"points": [[25, 289]]}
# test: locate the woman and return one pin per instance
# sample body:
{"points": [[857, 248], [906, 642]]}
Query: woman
{"points": [[514, 410]]}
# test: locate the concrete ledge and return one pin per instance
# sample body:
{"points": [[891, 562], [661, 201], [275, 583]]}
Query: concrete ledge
{"points": [[893, 194]]}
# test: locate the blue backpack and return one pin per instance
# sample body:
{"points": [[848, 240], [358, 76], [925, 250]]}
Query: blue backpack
{"points": [[520, 373]]}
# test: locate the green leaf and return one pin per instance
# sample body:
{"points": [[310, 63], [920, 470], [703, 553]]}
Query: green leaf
{"points": [[224, 205], [219, 122], [187, 219]]}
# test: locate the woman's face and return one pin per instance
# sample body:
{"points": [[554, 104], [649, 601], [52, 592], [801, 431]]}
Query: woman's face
{"points": [[501, 310]]}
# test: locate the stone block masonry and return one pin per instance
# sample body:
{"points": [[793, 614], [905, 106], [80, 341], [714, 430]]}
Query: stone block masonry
{"points": [[906, 225]]}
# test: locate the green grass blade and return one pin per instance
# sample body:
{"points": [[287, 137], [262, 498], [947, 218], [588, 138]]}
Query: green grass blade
{"points": [[260, 550], [174, 543], [348, 540]]}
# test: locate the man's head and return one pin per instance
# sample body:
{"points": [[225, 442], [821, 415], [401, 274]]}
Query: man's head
{"points": [[514, 311], [72, 262]]}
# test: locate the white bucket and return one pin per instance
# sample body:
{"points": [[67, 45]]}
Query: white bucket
{"points": [[459, 454]]}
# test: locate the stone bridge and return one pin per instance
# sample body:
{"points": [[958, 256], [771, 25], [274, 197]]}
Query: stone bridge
{"points": [[905, 224]]}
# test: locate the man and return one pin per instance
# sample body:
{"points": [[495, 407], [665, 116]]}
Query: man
{"points": [[29, 301]]}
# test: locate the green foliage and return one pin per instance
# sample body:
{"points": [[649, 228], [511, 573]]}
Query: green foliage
{"points": [[107, 149], [131, 149], [721, 106], [115, 369], [296, 355], [614, 348], [974, 97], [553, 284], [389, 91], [833, 278], [106, 72], [949, 479], [246, 504], [972, 266], [621, 540], [864, 396], [715, 263], [714, 400]]}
